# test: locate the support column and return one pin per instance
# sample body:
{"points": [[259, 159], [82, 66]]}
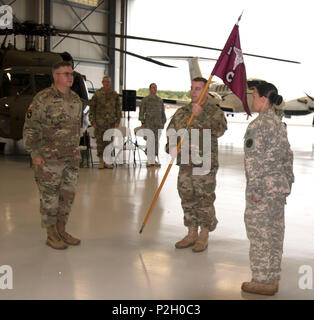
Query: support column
{"points": [[122, 69], [47, 20], [111, 40]]}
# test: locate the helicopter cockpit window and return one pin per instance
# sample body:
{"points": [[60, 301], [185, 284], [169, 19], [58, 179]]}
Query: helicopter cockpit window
{"points": [[42, 81], [16, 84]]}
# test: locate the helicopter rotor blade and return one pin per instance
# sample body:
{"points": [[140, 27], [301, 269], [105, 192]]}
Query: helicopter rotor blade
{"points": [[170, 42], [46, 30], [182, 58], [309, 96], [123, 51]]}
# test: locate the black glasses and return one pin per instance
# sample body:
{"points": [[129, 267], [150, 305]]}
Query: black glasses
{"points": [[67, 74]]}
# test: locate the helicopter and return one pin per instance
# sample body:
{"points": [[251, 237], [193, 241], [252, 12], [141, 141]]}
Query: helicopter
{"points": [[22, 75], [226, 100], [230, 103], [25, 72]]}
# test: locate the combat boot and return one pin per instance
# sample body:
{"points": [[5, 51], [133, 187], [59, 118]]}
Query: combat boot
{"points": [[157, 164], [54, 240], [148, 164], [101, 164], [188, 240], [202, 241], [108, 166], [259, 288], [66, 237], [277, 285]]}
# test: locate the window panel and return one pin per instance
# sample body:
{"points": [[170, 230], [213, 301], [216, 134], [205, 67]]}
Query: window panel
{"points": [[93, 3]]}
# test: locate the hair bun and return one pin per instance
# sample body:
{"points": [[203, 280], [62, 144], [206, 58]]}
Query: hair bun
{"points": [[275, 98]]}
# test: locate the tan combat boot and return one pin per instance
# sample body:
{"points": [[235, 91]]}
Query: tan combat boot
{"points": [[66, 237], [202, 241], [54, 240], [148, 164], [101, 164], [108, 166], [188, 240], [259, 288], [277, 285], [157, 164]]}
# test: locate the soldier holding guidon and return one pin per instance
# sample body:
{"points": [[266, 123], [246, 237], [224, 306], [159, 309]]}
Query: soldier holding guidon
{"points": [[197, 191]]}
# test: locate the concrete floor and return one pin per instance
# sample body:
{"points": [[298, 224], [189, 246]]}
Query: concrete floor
{"points": [[115, 262]]}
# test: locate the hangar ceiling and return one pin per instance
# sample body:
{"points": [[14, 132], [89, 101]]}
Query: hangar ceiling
{"points": [[107, 16]]}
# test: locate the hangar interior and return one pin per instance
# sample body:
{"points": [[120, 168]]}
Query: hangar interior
{"points": [[114, 261], [92, 60]]}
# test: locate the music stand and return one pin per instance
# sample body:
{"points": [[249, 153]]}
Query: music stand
{"points": [[86, 150], [129, 101]]}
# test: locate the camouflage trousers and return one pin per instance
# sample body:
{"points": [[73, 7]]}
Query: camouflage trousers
{"points": [[56, 182], [265, 228], [101, 144], [197, 195]]}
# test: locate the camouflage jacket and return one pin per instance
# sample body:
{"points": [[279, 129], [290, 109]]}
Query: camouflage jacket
{"points": [[211, 118], [52, 125], [152, 112], [105, 108], [268, 158]]}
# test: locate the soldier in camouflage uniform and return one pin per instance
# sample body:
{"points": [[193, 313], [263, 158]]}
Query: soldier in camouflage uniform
{"points": [[268, 168], [153, 117], [197, 192], [51, 135], [105, 113]]}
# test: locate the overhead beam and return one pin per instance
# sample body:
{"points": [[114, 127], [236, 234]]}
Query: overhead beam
{"points": [[91, 61], [81, 6], [67, 2], [81, 21]]}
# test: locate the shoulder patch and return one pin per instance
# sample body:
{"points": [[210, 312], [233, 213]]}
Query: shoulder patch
{"points": [[249, 143], [29, 114]]}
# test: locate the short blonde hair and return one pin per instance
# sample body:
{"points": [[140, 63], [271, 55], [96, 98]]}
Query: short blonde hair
{"points": [[60, 64]]}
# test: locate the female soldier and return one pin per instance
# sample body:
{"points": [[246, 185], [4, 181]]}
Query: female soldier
{"points": [[268, 169]]}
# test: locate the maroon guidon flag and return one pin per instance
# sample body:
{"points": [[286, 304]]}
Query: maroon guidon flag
{"points": [[231, 69]]}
